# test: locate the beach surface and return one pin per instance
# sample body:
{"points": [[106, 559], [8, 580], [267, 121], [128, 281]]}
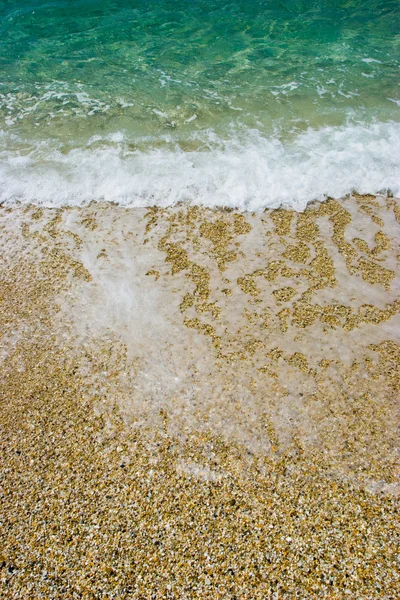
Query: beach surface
{"points": [[200, 403]]}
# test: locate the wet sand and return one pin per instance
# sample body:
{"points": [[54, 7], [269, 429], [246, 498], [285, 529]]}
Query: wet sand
{"points": [[200, 403]]}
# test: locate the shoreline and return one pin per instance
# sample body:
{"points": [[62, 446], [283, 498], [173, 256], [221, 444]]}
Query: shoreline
{"points": [[245, 170], [187, 378]]}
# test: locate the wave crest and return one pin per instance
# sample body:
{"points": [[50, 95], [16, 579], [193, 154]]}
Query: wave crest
{"points": [[249, 173]]}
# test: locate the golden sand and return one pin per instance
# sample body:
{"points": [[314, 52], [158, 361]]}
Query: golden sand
{"points": [[200, 404]]}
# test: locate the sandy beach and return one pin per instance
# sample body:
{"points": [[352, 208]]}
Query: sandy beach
{"points": [[200, 403], [199, 300]]}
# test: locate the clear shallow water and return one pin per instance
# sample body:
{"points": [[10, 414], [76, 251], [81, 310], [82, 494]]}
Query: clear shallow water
{"points": [[243, 103]]}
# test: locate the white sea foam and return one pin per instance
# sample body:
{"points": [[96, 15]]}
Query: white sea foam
{"points": [[247, 171], [371, 60]]}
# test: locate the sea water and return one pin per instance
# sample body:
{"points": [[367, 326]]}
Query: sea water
{"points": [[245, 103]]}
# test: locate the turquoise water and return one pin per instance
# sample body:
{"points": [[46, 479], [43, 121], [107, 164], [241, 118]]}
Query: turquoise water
{"points": [[243, 103]]}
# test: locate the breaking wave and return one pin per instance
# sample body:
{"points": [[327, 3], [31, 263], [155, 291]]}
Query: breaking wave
{"points": [[248, 172]]}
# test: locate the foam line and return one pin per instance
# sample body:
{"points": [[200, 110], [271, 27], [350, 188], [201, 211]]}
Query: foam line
{"points": [[249, 172]]}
